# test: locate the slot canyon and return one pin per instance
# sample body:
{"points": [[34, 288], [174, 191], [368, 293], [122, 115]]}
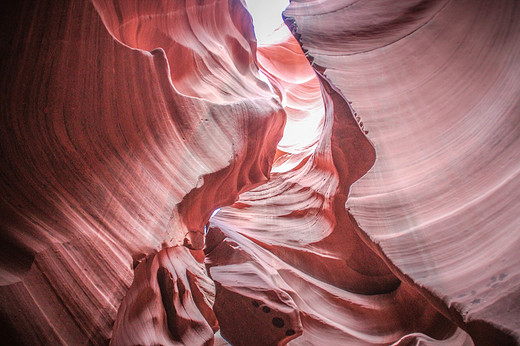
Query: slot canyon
{"points": [[351, 176]]}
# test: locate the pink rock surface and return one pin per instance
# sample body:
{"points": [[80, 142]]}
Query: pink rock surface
{"points": [[436, 86], [104, 162], [391, 218], [169, 302], [296, 82], [293, 235], [209, 44]]}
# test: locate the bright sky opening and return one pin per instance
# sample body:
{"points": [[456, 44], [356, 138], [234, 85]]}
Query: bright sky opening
{"points": [[267, 17]]}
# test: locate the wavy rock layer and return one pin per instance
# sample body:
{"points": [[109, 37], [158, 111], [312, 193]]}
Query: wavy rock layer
{"points": [[104, 162], [169, 302], [296, 83], [288, 246], [436, 86], [125, 124]]}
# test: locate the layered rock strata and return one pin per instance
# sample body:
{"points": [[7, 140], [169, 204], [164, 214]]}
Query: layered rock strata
{"points": [[435, 85], [290, 244], [107, 158], [390, 218]]}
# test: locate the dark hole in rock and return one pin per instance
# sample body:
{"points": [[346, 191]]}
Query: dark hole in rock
{"points": [[266, 309], [278, 322], [290, 332]]}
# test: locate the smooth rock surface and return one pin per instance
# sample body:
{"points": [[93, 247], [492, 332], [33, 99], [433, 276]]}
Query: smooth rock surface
{"points": [[104, 162], [293, 233], [369, 197], [436, 86]]}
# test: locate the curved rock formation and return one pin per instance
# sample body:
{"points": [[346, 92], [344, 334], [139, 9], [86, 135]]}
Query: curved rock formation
{"points": [[390, 218], [104, 162], [296, 83], [436, 86], [291, 242], [169, 302]]}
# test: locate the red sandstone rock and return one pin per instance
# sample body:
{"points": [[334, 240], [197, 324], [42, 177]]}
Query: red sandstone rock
{"points": [[293, 233], [104, 162], [126, 123], [169, 302], [296, 82]]}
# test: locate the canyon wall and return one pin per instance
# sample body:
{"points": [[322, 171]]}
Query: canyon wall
{"points": [[108, 158], [435, 85], [369, 197]]}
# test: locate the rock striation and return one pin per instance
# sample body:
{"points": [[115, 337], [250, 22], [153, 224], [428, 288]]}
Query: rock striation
{"points": [[364, 166], [291, 242], [105, 162], [435, 85]]}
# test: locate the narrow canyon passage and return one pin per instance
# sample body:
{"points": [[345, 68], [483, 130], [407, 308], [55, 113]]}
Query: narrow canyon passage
{"points": [[170, 178], [286, 253]]}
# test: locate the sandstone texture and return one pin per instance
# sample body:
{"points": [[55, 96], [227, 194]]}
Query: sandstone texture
{"points": [[165, 179]]}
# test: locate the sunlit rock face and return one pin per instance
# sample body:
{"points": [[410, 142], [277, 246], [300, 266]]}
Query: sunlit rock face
{"points": [[369, 197]]}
